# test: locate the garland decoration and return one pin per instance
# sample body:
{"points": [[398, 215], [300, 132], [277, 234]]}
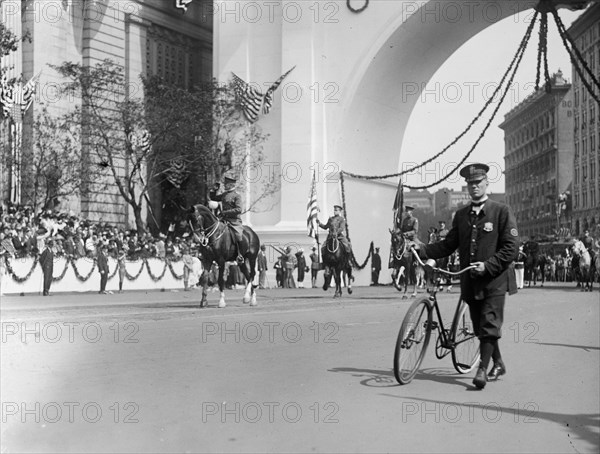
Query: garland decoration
{"points": [[152, 276], [64, 271], [83, 278], [12, 273], [111, 275], [514, 65], [172, 270], [357, 10], [131, 277], [79, 276]]}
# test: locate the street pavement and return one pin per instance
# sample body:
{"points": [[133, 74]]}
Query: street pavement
{"points": [[301, 372]]}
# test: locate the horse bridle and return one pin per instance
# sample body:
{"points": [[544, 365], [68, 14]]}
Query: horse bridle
{"points": [[404, 247], [204, 239], [337, 245]]}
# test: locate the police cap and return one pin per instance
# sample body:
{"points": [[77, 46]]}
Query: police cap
{"points": [[474, 172]]}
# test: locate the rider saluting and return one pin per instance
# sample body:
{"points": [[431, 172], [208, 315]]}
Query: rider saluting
{"points": [[336, 225], [231, 209]]}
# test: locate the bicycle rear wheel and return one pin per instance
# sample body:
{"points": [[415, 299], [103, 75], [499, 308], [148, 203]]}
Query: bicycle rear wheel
{"points": [[413, 339], [465, 354]]}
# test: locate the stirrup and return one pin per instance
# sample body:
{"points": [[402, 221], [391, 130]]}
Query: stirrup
{"points": [[240, 258]]}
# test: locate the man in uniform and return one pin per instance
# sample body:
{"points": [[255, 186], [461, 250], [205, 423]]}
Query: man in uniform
{"points": [[485, 233], [375, 267], [231, 210], [261, 263], [410, 225], [336, 225]]}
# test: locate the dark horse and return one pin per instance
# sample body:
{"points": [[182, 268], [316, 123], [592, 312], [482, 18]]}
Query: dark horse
{"points": [[335, 259], [402, 262], [217, 243], [531, 249]]}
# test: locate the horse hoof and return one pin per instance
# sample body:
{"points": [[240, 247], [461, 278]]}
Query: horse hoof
{"points": [[350, 291], [222, 304], [404, 297]]}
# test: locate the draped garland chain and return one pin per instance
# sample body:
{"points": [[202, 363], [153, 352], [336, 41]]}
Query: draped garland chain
{"points": [[543, 49], [576, 57], [371, 247], [152, 276], [357, 10], [82, 278], [512, 67]]}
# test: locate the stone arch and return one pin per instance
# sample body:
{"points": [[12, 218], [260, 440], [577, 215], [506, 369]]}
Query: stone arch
{"points": [[388, 83]]}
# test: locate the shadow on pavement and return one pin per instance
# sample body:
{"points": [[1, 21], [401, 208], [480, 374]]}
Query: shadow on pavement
{"points": [[587, 348], [578, 426]]}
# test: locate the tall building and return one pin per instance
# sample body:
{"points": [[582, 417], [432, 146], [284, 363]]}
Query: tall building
{"points": [[144, 37], [585, 32], [538, 155]]}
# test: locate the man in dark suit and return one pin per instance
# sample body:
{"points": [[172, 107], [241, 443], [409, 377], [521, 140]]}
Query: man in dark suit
{"points": [[47, 264], [485, 234], [103, 268]]}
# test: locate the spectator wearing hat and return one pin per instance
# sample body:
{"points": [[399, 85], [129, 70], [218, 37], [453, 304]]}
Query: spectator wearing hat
{"points": [[315, 266], [47, 265], [102, 258], [278, 267], [231, 210], [302, 268], [160, 246], [375, 267], [262, 265], [485, 234]]}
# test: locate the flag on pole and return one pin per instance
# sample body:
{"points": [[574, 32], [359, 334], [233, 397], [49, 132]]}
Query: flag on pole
{"points": [[398, 201], [312, 209], [271, 90], [251, 98], [177, 172]]}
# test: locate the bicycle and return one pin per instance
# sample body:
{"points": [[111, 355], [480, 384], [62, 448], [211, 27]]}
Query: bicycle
{"points": [[415, 332]]}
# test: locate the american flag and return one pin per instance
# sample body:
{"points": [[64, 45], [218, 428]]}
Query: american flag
{"points": [[269, 96], [15, 101], [182, 4], [251, 99], [312, 209], [398, 201]]}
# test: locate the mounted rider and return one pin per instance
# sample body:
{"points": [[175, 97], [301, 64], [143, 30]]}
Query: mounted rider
{"points": [[231, 210], [336, 225], [408, 227]]}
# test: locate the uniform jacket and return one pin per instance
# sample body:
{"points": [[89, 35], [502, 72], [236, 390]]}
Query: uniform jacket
{"points": [[336, 225], [376, 261], [231, 203], [491, 238], [410, 226]]}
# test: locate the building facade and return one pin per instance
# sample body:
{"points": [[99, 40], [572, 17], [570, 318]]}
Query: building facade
{"points": [[585, 31], [538, 141], [144, 37]]}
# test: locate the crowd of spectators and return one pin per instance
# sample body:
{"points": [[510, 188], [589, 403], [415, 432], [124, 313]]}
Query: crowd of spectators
{"points": [[24, 234]]}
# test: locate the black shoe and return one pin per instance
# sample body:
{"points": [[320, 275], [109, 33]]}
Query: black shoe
{"points": [[497, 370], [480, 378]]}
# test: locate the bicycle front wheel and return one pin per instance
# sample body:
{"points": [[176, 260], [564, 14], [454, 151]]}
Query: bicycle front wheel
{"points": [[413, 339], [465, 354]]}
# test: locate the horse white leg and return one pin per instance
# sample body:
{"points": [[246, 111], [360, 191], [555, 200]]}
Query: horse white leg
{"points": [[246, 299], [253, 300], [222, 300]]}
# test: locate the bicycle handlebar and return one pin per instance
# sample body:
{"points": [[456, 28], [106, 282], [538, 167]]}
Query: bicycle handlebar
{"points": [[435, 268]]}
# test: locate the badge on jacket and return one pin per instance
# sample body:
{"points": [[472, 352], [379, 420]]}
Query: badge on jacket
{"points": [[488, 226]]}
